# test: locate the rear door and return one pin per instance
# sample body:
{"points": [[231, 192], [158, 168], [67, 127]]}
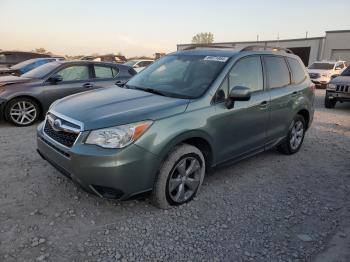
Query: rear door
{"points": [[104, 76], [282, 96], [76, 78]]}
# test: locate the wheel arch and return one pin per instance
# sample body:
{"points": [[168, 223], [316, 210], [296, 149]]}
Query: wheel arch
{"points": [[196, 138], [306, 115]]}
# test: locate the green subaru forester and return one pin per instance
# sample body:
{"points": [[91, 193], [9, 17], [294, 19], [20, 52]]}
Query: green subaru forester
{"points": [[186, 112]]}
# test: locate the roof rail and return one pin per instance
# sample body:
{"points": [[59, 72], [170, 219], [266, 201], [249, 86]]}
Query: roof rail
{"points": [[195, 46], [262, 47]]}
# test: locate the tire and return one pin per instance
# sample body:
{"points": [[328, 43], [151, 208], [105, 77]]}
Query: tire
{"points": [[174, 177], [22, 111], [289, 147], [329, 103]]}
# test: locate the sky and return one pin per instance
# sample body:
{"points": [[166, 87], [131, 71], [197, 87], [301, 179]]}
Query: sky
{"points": [[144, 27]]}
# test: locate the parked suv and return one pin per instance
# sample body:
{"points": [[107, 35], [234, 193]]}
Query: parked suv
{"points": [[338, 90], [10, 58], [186, 112], [26, 66], [321, 72]]}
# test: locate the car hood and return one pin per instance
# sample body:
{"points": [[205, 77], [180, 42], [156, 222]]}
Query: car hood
{"points": [[341, 79], [116, 106], [8, 80]]}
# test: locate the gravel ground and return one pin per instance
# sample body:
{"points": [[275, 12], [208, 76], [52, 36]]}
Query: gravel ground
{"points": [[270, 207]]}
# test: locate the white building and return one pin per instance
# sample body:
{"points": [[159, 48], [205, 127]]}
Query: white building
{"points": [[335, 45]]}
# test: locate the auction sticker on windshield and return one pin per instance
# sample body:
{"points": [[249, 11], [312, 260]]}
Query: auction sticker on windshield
{"points": [[222, 59]]}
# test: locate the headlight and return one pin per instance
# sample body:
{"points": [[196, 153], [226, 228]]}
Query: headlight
{"points": [[119, 136], [331, 86]]}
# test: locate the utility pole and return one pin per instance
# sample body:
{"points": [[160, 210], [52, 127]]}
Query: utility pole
{"points": [[306, 34], [257, 38]]}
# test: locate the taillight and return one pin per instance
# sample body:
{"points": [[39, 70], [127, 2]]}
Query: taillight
{"points": [[313, 87]]}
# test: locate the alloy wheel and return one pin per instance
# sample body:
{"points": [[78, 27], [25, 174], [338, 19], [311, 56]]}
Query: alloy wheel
{"points": [[23, 113], [297, 135], [184, 180]]}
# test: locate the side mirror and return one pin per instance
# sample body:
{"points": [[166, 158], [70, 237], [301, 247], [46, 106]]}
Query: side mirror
{"points": [[55, 79], [121, 83], [237, 93]]}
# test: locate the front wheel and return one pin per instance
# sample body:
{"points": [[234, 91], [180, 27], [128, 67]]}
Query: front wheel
{"points": [[329, 103], [179, 178], [295, 137]]}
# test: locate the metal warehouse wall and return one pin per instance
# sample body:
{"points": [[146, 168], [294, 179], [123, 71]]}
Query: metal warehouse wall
{"points": [[315, 45], [337, 45]]}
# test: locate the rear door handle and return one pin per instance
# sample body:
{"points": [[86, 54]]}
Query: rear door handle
{"points": [[295, 93], [263, 105], [88, 85]]}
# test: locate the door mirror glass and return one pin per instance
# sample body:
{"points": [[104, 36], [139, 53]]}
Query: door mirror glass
{"points": [[239, 93], [55, 79]]}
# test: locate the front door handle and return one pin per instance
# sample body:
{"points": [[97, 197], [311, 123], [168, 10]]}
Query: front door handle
{"points": [[263, 105], [295, 93], [88, 85]]}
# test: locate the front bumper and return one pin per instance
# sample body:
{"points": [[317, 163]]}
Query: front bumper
{"points": [[339, 96], [109, 173], [321, 81]]}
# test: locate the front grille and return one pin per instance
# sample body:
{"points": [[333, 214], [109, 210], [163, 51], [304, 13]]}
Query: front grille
{"points": [[343, 88], [63, 136], [314, 75]]}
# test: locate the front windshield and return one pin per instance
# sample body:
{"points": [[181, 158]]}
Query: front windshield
{"points": [[130, 63], [183, 76], [41, 71], [346, 72], [322, 66]]}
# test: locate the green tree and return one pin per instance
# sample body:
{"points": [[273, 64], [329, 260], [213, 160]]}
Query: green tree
{"points": [[203, 38]]}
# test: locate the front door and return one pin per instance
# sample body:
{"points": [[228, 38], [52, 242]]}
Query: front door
{"points": [[75, 79], [242, 130]]}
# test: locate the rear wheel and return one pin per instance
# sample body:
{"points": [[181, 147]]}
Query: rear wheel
{"points": [[180, 177], [22, 111], [295, 137], [329, 103]]}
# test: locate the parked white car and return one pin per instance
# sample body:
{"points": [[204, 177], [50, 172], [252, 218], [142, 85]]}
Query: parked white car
{"points": [[139, 65], [321, 72]]}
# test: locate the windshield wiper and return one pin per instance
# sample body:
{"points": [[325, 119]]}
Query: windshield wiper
{"points": [[149, 90]]}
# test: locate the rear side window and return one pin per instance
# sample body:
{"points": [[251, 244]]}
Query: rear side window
{"points": [[298, 72], [105, 72], [277, 71]]}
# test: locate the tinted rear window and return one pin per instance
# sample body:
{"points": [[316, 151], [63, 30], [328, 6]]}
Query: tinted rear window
{"points": [[277, 71], [298, 72]]}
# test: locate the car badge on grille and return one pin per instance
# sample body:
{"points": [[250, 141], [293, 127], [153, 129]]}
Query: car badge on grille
{"points": [[56, 125]]}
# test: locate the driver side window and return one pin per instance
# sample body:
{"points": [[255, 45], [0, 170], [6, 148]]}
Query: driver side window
{"points": [[247, 72], [74, 73]]}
